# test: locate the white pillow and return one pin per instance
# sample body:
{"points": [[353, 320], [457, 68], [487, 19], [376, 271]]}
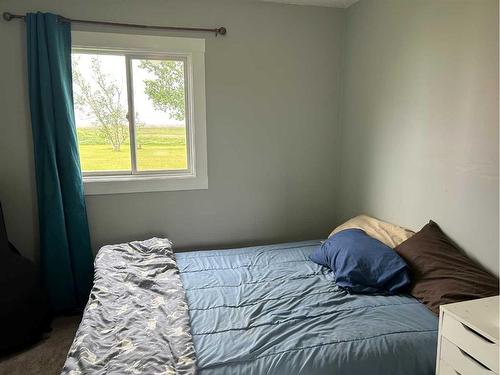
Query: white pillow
{"points": [[390, 234]]}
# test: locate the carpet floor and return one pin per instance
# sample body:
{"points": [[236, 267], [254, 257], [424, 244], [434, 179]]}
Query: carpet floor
{"points": [[48, 355]]}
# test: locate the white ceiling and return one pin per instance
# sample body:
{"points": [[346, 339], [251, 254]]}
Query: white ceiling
{"points": [[323, 3]]}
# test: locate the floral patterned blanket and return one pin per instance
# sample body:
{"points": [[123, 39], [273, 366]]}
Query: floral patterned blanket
{"points": [[136, 320]]}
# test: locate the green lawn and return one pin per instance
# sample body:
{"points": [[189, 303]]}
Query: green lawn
{"points": [[158, 148]]}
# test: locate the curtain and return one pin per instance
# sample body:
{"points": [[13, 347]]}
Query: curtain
{"points": [[65, 252]]}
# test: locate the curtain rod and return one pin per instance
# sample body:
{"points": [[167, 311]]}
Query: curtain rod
{"points": [[218, 31]]}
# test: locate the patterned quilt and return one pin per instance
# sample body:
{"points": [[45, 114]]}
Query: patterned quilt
{"points": [[136, 320]]}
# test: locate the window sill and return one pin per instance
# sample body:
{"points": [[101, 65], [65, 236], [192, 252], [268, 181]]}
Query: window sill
{"points": [[100, 185]]}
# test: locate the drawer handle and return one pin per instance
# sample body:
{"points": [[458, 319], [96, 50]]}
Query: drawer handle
{"points": [[477, 333], [465, 354]]}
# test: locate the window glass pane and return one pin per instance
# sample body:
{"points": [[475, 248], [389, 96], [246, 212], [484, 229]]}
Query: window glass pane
{"points": [[100, 97], [160, 114]]}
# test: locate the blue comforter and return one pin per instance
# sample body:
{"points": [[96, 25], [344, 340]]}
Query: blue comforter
{"points": [[270, 310]]}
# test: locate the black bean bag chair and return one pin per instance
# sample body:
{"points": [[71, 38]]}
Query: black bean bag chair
{"points": [[25, 312]]}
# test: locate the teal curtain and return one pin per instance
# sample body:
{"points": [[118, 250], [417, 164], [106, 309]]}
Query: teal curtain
{"points": [[65, 253]]}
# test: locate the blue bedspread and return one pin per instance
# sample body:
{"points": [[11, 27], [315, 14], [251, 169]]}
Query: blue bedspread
{"points": [[270, 310]]}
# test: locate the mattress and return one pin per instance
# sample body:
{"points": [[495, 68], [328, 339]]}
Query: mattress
{"points": [[270, 310]]}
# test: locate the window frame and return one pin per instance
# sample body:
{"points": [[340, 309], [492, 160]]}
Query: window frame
{"points": [[133, 47]]}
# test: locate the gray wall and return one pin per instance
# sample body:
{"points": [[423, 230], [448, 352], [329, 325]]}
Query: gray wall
{"points": [[420, 117], [419, 134], [272, 121]]}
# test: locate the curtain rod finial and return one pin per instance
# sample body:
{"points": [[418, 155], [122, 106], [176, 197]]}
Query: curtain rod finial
{"points": [[7, 16], [221, 31]]}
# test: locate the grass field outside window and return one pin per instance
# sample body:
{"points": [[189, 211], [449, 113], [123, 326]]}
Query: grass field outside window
{"points": [[158, 148]]}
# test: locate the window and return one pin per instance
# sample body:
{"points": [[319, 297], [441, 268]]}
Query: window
{"points": [[140, 112]]}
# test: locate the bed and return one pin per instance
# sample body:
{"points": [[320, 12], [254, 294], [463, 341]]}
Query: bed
{"points": [[270, 310]]}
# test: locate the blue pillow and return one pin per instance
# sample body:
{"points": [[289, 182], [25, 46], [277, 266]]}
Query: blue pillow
{"points": [[362, 264]]}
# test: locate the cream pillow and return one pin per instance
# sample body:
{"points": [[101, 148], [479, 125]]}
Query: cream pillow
{"points": [[390, 234]]}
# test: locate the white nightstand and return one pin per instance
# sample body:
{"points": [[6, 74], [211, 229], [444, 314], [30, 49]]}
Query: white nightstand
{"points": [[468, 338]]}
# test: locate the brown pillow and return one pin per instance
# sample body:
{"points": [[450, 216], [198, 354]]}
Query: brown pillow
{"points": [[440, 272]]}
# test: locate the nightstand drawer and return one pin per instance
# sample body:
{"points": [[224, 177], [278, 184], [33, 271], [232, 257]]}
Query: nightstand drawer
{"points": [[459, 361], [474, 344]]}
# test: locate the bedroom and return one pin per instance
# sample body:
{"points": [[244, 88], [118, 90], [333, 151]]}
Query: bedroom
{"points": [[303, 116]]}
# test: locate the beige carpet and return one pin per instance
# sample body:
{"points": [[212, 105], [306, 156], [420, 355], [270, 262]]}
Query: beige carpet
{"points": [[48, 355]]}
